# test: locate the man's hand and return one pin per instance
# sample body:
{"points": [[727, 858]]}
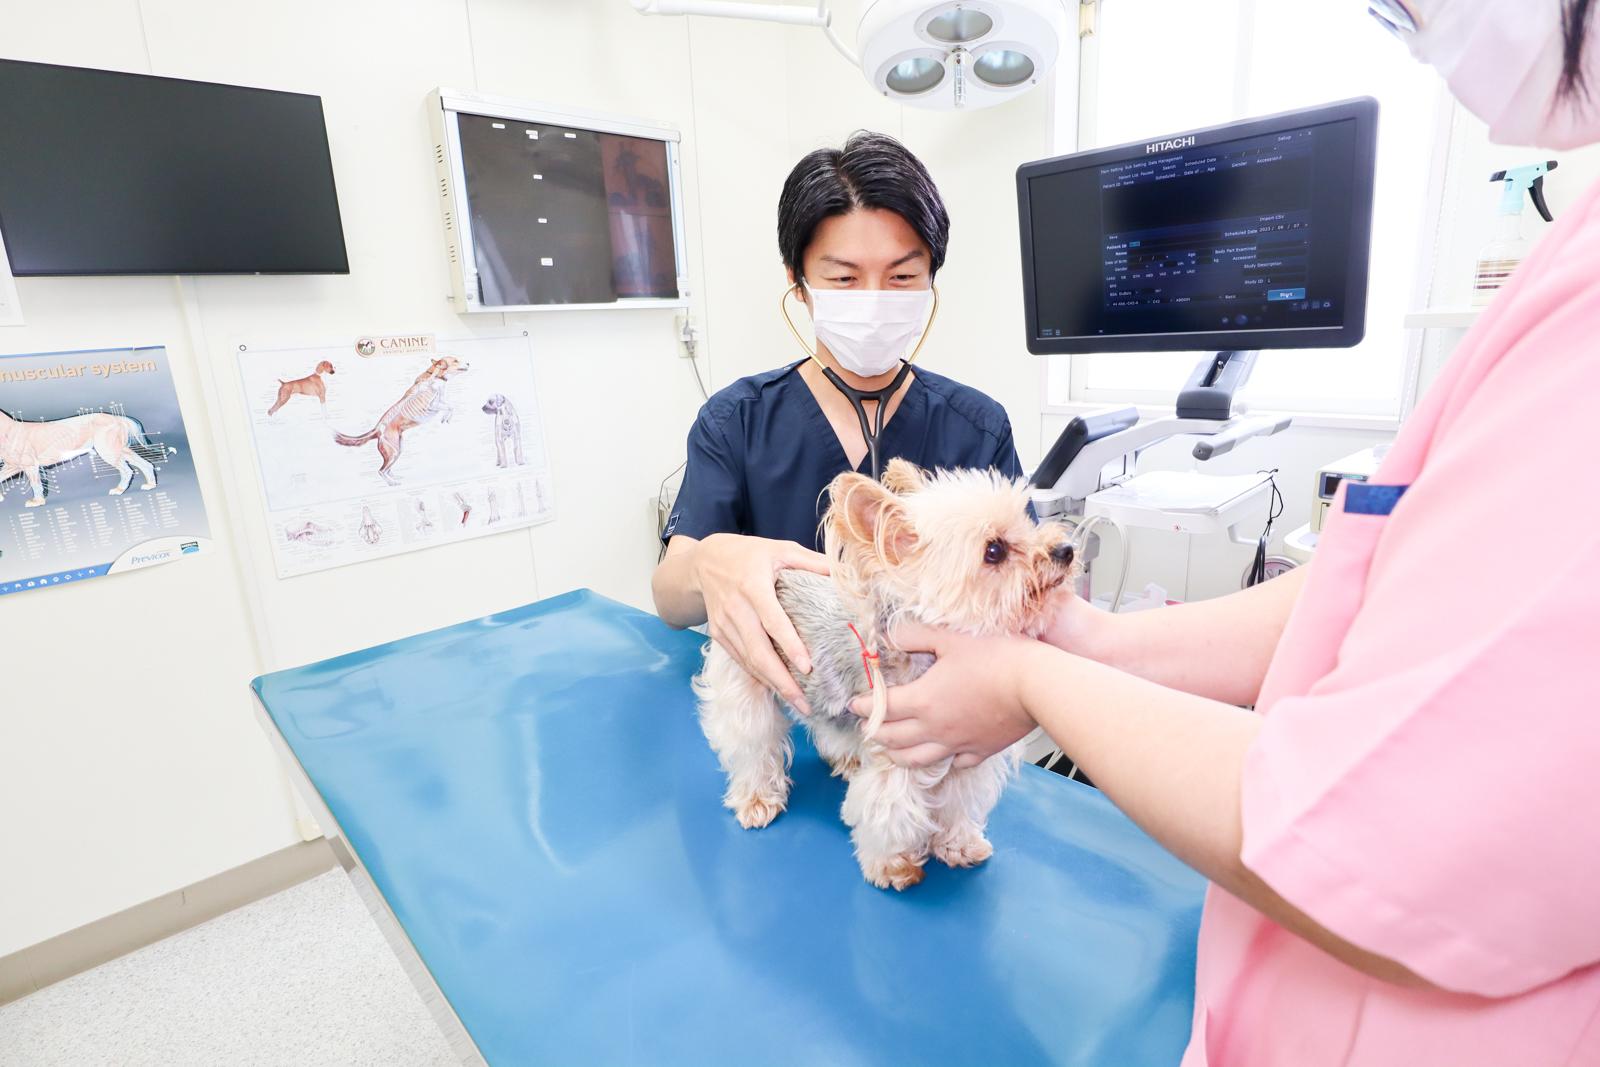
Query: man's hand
{"points": [[735, 576], [968, 705]]}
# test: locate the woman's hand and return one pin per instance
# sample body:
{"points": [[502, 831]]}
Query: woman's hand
{"points": [[735, 576], [1078, 627], [968, 706]]}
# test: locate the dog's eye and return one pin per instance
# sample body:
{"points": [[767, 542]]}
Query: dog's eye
{"points": [[995, 552]]}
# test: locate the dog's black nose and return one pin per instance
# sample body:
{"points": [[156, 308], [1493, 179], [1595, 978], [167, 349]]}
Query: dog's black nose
{"points": [[1062, 553]]}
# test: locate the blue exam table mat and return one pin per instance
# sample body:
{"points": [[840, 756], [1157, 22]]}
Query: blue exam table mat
{"points": [[531, 794]]}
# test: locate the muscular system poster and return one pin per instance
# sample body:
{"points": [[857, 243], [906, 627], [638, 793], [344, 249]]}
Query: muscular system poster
{"points": [[96, 475]]}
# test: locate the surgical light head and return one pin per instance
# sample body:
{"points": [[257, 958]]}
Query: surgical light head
{"points": [[960, 53], [942, 55]]}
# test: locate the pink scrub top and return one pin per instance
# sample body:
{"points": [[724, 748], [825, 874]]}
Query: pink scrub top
{"points": [[1426, 782]]}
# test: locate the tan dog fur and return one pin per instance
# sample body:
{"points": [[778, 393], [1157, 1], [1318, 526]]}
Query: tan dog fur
{"points": [[310, 385]]}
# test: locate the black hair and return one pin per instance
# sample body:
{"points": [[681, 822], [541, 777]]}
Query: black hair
{"points": [[872, 170], [1575, 16]]}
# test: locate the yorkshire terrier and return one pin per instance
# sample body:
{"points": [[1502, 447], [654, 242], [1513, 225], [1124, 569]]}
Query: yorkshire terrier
{"points": [[956, 549]]}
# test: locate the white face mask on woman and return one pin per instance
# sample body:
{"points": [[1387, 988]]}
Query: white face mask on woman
{"points": [[1502, 59], [869, 330]]}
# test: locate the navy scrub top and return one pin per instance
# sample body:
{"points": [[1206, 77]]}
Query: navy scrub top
{"points": [[762, 452]]}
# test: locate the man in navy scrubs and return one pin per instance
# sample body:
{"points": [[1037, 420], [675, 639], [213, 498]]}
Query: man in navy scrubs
{"points": [[862, 232]]}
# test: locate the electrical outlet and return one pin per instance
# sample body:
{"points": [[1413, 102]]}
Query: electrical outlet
{"points": [[687, 331]]}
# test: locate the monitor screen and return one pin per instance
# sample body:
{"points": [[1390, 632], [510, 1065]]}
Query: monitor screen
{"points": [[565, 215], [1247, 236], [109, 173]]}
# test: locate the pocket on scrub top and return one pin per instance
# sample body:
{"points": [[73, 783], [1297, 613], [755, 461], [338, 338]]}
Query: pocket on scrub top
{"points": [[1356, 523]]}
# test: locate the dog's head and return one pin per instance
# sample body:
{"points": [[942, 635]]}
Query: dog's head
{"points": [[324, 367], [445, 367], [954, 548], [493, 405]]}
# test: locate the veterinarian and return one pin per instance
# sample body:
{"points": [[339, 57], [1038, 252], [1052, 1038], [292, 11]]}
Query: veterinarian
{"points": [[1405, 843], [862, 232]]}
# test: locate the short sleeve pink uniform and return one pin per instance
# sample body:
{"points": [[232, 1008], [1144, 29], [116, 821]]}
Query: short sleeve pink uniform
{"points": [[1426, 783]]}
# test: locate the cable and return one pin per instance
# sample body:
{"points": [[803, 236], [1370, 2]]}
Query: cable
{"points": [[1258, 567], [694, 365], [1080, 542]]}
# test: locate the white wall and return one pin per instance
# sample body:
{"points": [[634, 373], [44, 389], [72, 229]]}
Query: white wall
{"points": [[129, 760], [130, 764]]}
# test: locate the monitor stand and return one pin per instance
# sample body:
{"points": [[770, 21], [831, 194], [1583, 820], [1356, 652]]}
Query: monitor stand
{"points": [[1209, 393]]}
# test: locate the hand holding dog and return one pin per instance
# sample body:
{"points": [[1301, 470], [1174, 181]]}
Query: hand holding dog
{"points": [[968, 705], [735, 576]]}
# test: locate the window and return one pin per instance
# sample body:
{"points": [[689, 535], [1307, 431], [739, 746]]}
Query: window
{"points": [[1160, 66]]}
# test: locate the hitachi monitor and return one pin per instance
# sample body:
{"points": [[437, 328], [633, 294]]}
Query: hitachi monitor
{"points": [[110, 173], [1253, 235]]}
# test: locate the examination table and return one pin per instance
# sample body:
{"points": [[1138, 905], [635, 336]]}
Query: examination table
{"points": [[528, 808]]}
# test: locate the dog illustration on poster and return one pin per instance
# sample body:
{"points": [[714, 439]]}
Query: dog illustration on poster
{"points": [[423, 402], [507, 430], [310, 385], [29, 448]]}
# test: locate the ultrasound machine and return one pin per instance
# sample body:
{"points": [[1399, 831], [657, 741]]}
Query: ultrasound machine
{"points": [[1225, 241]]}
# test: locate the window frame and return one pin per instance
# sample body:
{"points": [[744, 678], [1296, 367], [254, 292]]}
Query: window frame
{"points": [[1075, 99]]}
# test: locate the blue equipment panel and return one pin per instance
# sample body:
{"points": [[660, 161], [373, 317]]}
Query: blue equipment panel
{"points": [[531, 794]]}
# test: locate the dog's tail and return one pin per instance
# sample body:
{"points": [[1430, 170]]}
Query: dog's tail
{"points": [[346, 439], [140, 441]]}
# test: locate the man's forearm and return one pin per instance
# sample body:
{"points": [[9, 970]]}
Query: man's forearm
{"points": [[677, 595]]}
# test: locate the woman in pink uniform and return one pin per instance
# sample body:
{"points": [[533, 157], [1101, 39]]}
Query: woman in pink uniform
{"points": [[1404, 843]]}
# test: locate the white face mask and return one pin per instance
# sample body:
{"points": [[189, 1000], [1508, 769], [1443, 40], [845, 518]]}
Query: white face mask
{"points": [[869, 330], [1502, 60]]}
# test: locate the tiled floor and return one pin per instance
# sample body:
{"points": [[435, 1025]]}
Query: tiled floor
{"points": [[302, 978]]}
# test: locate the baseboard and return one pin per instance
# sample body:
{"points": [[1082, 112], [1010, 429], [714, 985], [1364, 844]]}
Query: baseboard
{"points": [[75, 951]]}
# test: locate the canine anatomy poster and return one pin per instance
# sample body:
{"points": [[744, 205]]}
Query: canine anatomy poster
{"points": [[95, 471], [372, 449]]}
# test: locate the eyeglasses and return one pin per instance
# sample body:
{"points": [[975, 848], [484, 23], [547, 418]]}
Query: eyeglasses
{"points": [[1394, 16]]}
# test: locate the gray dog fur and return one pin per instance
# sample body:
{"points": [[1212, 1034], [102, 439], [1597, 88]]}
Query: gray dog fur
{"points": [[837, 673]]}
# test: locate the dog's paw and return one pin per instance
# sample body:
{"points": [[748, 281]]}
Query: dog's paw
{"points": [[116, 491], [755, 812], [897, 872], [963, 852], [845, 768]]}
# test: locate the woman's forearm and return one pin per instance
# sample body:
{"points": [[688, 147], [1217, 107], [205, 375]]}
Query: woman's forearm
{"points": [[1174, 762], [1218, 648]]}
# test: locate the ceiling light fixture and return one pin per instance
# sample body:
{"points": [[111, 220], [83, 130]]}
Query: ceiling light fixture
{"points": [[937, 54]]}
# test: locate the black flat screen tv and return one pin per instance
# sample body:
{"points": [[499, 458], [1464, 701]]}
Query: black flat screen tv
{"points": [[109, 173]]}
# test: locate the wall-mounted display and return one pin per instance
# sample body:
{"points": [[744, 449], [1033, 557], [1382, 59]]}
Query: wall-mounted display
{"points": [[551, 209], [95, 471], [393, 444], [103, 172]]}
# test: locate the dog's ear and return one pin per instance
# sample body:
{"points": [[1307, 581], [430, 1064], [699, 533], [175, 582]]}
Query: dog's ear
{"points": [[903, 476], [865, 517]]}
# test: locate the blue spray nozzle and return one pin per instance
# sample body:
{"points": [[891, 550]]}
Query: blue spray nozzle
{"points": [[1520, 179]]}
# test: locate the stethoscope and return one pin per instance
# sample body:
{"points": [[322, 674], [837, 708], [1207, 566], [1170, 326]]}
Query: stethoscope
{"points": [[858, 398]]}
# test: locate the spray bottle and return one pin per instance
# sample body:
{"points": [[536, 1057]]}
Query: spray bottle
{"points": [[1510, 245]]}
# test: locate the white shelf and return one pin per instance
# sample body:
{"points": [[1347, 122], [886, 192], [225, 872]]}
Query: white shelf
{"points": [[1460, 318]]}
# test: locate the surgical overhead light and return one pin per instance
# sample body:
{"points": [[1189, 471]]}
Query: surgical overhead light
{"points": [[941, 55]]}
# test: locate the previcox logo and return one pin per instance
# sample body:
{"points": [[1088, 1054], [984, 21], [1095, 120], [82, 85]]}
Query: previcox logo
{"points": [[1168, 146]]}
